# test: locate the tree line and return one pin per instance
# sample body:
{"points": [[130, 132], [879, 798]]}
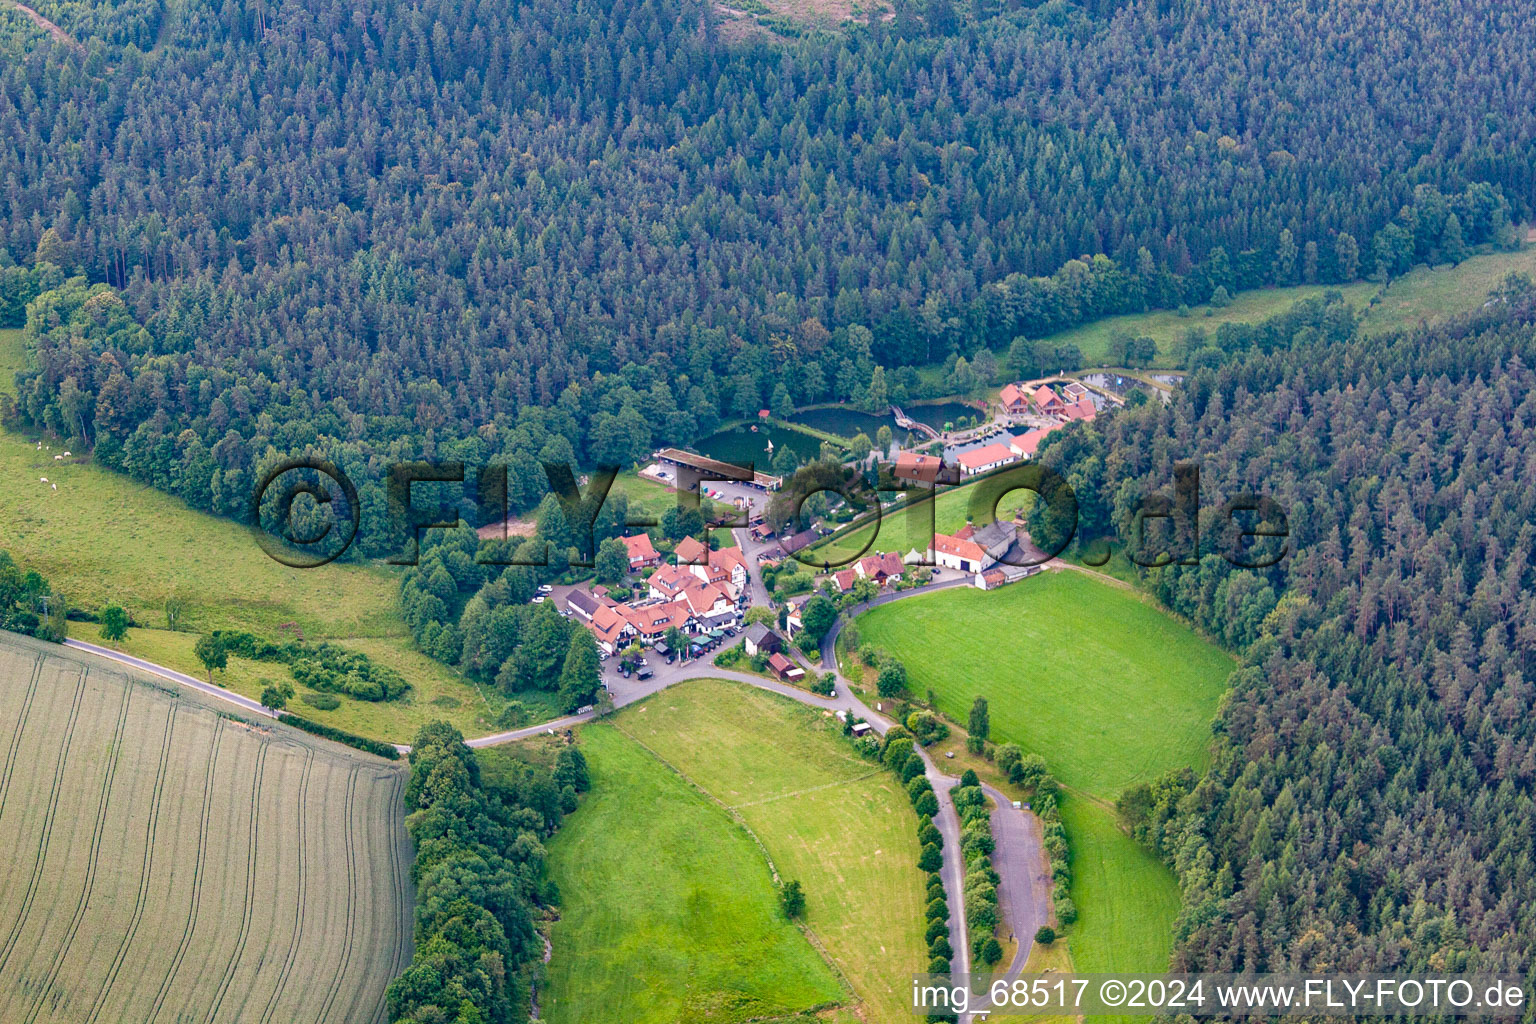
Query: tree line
{"points": [[1370, 791], [574, 231]]}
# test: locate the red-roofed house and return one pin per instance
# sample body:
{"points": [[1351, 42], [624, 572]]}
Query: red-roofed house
{"points": [[734, 564], [784, 668], [689, 551], [706, 602], [652, 621], [610, 628], [954, 553], [1047, 401], [981, 460], [1082, 409], [922, 469], [1015, 401], [671, 580], [844, 580], [883, 569], [641, 552], [1027, 443]]}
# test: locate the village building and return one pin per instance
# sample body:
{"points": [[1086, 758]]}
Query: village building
{"points": [[884, 569], [844, 580], [927, 470], [1015, 401], [642, 553], [582, 604], [1026, 444], [611, 629], [785, 669], [690, 551], [760, 638], [985, 459], [975, 552]]}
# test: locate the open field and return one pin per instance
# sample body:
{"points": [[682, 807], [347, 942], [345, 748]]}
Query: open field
{"points": [[438, 693], [1110, 690], [668, 911], [629, 932], [1127, 899], [175, 864], [1424, 294], [837, 823]]}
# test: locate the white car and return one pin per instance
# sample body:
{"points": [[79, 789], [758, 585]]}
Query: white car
{"points": [[539, 600], [545, 588]]}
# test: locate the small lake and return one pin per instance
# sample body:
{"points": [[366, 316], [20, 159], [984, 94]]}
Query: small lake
{"points": [[843, 422], [936, 414], [749, 443]]}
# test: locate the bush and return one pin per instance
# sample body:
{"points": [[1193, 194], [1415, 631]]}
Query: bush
{"points": [[929, 833], [939, 965], [1045, 935], [931, 859], [936, 927], [792, 899], [991, 951], [321, 701], [927, 803], [940, 948], [340, 736], [937, 910], [1066, 910]]}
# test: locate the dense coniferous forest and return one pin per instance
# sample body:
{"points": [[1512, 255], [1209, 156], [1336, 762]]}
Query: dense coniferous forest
{"points": [[1370, 803], [501, 231]]}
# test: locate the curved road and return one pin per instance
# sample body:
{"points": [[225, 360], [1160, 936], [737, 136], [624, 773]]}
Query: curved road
{"points": [[1024, 891]]}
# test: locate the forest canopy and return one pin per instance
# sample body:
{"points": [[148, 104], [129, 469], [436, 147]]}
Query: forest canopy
{"points": [[578, 230]]}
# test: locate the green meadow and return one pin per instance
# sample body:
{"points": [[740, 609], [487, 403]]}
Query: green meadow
{"points": [[664, 884], [668, 911], [1109, 690]]}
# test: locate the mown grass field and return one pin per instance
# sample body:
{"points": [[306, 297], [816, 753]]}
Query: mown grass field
{"points": [[628, 929], [1110, 690], [171, 863], [828, 818], [668, 911], [1425, 294]]}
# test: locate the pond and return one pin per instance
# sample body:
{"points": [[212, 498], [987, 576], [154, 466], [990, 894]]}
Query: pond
{"points": [[749, 443], [936, 414], [844, 422]]}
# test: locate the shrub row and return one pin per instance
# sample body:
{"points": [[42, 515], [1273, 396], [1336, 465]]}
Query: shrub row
{"points": [[1029, 771], [480, 881], [976, 845], [341, 736], [327, 667]]}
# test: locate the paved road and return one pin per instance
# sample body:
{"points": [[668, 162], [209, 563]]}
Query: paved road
{"points": [[1024, 891], [174, 676]]}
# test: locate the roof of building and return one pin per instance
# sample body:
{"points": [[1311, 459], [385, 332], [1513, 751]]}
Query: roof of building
{"points": [[1027, 443], [1082, 409], [844, 579], [794, 542], [729, 558], [888, 563], [994, 577], [757, 633], [701, 598], [915, 466], [608, 624], [690, 552], [640, 547], [783, 665], [1045, 398], [994, 533], [583, 601], [652, 619], [944, 544], [990, 455], [1012, 395]]}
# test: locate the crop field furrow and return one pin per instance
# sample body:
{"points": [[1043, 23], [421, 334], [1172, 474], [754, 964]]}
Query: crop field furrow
{"points": [[181, 865], [248, 907], [300, 854], [197, 878], [113, 760], [16, 730], [404, 921], [346, 942], [47, 827], [146, 868]]}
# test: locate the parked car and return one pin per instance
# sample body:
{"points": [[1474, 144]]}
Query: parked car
{"points": [[540, 599], [545, 588], [644, 673]]}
